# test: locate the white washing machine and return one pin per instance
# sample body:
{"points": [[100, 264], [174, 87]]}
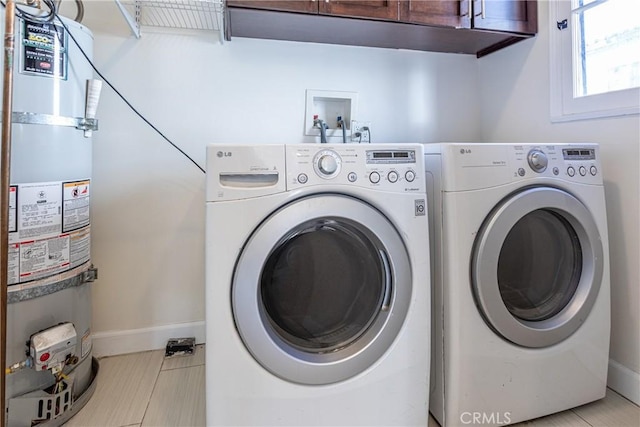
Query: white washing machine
{"points": [[317, 296], [521, 280]]}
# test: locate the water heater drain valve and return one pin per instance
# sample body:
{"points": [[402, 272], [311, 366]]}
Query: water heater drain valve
{"points": [[53, 347]]}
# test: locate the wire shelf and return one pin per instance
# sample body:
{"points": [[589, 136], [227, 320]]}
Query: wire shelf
{"points": [[183, 14]]}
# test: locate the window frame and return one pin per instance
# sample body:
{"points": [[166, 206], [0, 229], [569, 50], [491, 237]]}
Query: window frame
{"points": [[564, 106]]}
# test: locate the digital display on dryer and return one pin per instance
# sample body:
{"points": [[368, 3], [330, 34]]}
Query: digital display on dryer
{"points": [[579, 154]]}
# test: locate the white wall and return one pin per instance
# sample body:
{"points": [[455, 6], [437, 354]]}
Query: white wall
{"points": [[148, 201], [515, 106]]}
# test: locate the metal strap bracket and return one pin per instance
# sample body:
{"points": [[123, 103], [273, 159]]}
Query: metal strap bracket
{"points": [[81, 123], [85, 123], [90, 275]]}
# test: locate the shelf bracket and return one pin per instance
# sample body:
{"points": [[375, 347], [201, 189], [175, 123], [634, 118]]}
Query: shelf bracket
{"points": [[134, 22]]}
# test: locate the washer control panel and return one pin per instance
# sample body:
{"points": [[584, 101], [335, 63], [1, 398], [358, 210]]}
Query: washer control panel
{"points": [[387, 167]]}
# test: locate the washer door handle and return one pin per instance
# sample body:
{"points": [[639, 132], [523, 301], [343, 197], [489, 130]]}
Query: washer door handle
{"points": [[388, 289]]}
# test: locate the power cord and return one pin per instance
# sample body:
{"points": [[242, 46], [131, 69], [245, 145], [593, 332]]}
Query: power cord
{"points": [[125, 99], [359, 134], [53, 13], [366, 129]]}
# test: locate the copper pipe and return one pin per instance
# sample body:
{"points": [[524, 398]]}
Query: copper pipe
{"points": [[5, 181]]}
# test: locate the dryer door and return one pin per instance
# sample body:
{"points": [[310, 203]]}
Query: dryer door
{"points": [[537, 266], [321, 289]]}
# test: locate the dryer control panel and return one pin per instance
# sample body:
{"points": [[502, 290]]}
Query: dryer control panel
{"points": [[572, 162], [471, 166], [389, 167]]}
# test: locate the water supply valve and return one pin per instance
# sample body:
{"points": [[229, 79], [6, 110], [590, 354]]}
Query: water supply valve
{"points": [[50, 349]]}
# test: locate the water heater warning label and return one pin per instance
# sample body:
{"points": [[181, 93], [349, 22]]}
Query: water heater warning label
{"points": [[13, 209], [39, 210], [51, 233], [76, 205]]}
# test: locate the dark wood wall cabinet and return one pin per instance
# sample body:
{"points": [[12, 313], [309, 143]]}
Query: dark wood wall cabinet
{"points": [[476, 27]]}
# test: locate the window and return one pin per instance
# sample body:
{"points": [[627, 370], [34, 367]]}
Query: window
{"points": [[595, 58]]}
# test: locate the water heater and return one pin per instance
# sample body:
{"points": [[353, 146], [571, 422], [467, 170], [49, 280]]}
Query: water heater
{"points": [[50, 270]]}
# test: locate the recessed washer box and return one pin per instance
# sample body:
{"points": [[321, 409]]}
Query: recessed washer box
{"points": [[328, 106]]}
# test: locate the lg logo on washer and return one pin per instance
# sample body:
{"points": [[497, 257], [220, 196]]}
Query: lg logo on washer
{"points": [[224, 154], [479, 418]]}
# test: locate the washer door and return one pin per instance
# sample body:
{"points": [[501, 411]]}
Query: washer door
{"points": [[321, 289], [537, 266]]}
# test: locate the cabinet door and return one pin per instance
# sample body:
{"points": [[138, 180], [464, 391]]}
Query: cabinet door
{"points": [[443, 13], [376, 9], [306, 6], [514, 16]]}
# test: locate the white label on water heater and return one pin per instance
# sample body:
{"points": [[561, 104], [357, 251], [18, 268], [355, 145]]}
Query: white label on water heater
{"points": [[76, 205], [39, 210], [52, 231], [14, 263], [79, 244], [13, 208]]}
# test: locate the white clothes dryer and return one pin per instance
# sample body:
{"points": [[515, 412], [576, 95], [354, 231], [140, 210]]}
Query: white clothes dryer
{"points": [[313, 316], [521, 316]]}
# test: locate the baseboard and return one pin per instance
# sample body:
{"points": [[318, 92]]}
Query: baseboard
{"points": [[624, 381], [620, 379], [111, 343]]}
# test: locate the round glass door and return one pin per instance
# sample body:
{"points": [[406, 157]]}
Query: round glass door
{"points": [[321, 289], [537, 267], [323, 286]]}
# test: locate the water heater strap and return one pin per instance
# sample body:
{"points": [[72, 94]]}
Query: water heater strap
{"points": [[81, 123]]}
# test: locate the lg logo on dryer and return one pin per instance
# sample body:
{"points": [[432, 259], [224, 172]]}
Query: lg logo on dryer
{"points": [[465, 151], [224, 154]]}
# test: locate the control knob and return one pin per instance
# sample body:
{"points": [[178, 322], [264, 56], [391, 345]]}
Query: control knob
{"points": [[327, 163], [537, 160]]}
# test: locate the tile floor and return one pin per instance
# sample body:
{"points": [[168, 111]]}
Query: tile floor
{"points": [[145, 389]]}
